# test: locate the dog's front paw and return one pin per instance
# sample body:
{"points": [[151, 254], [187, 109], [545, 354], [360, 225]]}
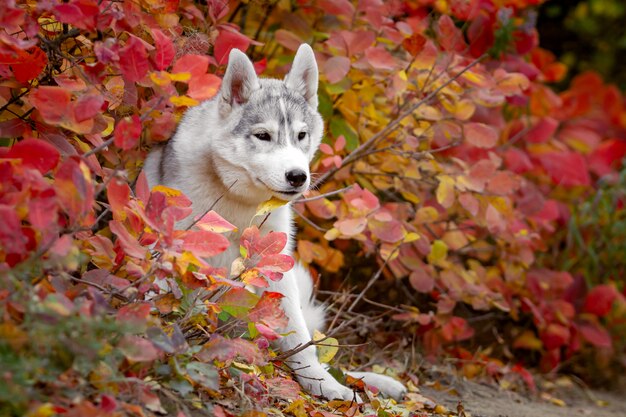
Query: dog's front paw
{"points": [[388, 386], [393, 389], [329, 388]]}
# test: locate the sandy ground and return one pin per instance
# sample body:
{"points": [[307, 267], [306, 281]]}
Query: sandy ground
{"points": [[485, 400]]}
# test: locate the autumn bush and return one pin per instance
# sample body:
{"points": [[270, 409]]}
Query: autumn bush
{"points": [[457, 193]]}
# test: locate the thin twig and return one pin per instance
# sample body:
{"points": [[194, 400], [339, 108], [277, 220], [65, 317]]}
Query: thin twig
{"points": [[372, 280], [317, 197], [309, 221], [211, 206]]}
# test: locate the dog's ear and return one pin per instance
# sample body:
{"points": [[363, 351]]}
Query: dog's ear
{"points": [[303, 76], [239, 81]]}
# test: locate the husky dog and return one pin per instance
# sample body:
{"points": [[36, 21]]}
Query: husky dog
{"points": [[251, 142]]}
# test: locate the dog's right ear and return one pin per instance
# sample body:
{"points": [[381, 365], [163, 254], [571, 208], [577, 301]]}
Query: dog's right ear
{"points": [[239, 81]]}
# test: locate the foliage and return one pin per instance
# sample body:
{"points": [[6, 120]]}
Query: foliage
{"points": [[587, 35], [459, 167]]}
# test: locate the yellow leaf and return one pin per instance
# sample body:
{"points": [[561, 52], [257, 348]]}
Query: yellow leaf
{"points": [[181, 76], [552, 399], [183, 101], [445, 191], [269, 206], [474, 78], [297, 408], [44, 410], [160, 78], [110, 126], [426, 215], [411, 197], [332, 234], [411, 237], [462, 109], [438, 252], [169, 192], [328, 347], [428, 113]]}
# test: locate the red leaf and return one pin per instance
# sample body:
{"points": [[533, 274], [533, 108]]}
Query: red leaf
{"points": [[196, 65], [118, 193], [226, 41], [284, 389], [135, 314], [213, 222], [137, 349], [449, 36], [596, 335], [351, 227], [127, 132], [600, 300], [80, 13], [26, 65], [12, 239], [204, 87], [543, 130], [42, 211], [51, 102], [269, 312], [352, 42], [336, 68], [337, 7], [270, 244], [134, 60], [165, 51], [456, 330], [503, 183], [554, 336], [414, 44], [11, 16], [108, 403], [387, 231], [75, 190], [142, 190], [87, 107], [277, 262], [526, 376], [568, 169], [480, 35], [35, 153], [129, 243], [287, 39], [517, 160], [481, 135], [379, 58], [225, 350], [607, 156], [422, 280], [469, 203], [204, 244]]}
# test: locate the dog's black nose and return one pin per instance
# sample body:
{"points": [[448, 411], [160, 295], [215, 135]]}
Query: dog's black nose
{"points": [[296, 177]]}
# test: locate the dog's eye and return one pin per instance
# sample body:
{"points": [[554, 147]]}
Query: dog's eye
{"points": [[263, 136], [301, 135]]}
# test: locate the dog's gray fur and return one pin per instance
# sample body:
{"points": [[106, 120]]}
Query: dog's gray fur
{"points": [[220, 152]]}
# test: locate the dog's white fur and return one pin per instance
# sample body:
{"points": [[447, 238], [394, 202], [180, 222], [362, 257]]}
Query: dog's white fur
{"points": [[210, 158]]}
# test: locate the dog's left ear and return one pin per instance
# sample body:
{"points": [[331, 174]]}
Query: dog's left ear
{"points": [[303, 77]]}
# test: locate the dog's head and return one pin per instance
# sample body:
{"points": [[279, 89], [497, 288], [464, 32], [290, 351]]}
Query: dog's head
{"points": [[273, 127]]}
